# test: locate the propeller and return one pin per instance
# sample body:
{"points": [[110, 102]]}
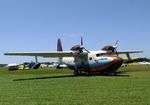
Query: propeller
{"points": [[81, 41], [111, 48], [82, 47], [115, 47], [116, 42]]}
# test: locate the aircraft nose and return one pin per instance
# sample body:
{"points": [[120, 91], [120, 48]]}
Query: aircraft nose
{"points": [[118, 59], [117, 62]]}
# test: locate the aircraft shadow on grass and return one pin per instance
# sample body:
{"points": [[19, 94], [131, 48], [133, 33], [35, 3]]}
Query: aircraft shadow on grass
{"points": [[69, 76], [49, 77]]}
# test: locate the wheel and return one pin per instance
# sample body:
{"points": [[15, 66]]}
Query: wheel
{"points": [[76, 73], [115, 73], [88, 73]]}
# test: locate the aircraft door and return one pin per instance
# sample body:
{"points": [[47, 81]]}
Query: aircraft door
{"points": [[81, 61]]}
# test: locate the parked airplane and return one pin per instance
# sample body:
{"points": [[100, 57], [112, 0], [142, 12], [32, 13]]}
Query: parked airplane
{"points": [[82, 60], [12, 66], [143, 63], [58, 66]]}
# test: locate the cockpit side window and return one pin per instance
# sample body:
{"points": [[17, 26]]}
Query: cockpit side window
{"points": [[100, 54]]}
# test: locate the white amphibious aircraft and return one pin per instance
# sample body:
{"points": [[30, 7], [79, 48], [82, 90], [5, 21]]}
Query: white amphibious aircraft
{"points": [[81, 60]]}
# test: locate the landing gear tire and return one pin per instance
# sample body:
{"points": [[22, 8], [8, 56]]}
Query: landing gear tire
{"points": [[115, 73], [88, 73], [76, 73]]}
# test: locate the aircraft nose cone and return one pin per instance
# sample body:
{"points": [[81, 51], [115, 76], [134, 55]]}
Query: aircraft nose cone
{"points": [[117, 62], [118, 59]]}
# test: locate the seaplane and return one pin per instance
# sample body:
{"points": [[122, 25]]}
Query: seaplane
{"points": [[83, 61]]}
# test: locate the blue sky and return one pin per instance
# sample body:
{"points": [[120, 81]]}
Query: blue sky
{"points": [[35, 25]]}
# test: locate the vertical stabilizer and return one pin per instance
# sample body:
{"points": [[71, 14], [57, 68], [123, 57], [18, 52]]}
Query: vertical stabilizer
{"points": [[59, 48], [59, 45]]}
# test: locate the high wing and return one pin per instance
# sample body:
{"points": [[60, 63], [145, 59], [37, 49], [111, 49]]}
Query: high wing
{"points": [[128, 52], [47, 54]]}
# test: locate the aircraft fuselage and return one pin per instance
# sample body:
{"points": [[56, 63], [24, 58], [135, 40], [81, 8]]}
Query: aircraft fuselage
{"points": [[98, 61]]}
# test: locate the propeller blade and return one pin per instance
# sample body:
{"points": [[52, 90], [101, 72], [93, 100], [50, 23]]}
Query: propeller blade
{"points": [[115, 47], [86, 50], [81, 41], [82, 47], [116, 52], [116, 42]]}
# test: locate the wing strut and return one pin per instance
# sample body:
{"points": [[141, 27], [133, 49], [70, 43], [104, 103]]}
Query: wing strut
{"points": [[36, 59], [128, 56]]}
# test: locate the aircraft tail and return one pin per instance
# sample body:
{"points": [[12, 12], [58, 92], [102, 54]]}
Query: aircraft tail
{"points": [[59, 45], [59, 48]]}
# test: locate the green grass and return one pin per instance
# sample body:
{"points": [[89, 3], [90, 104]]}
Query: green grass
{"points": [[59, 87]]}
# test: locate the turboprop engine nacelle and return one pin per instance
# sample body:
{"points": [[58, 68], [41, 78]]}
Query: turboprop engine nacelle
{"points": [[76, 48]]}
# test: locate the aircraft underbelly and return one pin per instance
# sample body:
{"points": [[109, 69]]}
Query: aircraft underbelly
{"points": [[97, 67]]}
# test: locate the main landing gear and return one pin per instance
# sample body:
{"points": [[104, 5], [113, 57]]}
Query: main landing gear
{"points": [[81, 73], [115, 73], [76, 73]]}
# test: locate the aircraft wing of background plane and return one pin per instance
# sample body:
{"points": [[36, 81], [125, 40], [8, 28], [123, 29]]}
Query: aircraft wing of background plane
{"points": [[47, 54]]}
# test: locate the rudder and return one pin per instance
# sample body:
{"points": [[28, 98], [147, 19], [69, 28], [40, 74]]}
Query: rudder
{"points": [[59, 45]]}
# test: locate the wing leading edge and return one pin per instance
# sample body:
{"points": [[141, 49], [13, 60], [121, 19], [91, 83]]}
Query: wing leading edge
{"points": [[46, 54], [128, 52]]}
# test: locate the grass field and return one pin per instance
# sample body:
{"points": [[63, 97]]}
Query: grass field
{"points": [[59, 87]]}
